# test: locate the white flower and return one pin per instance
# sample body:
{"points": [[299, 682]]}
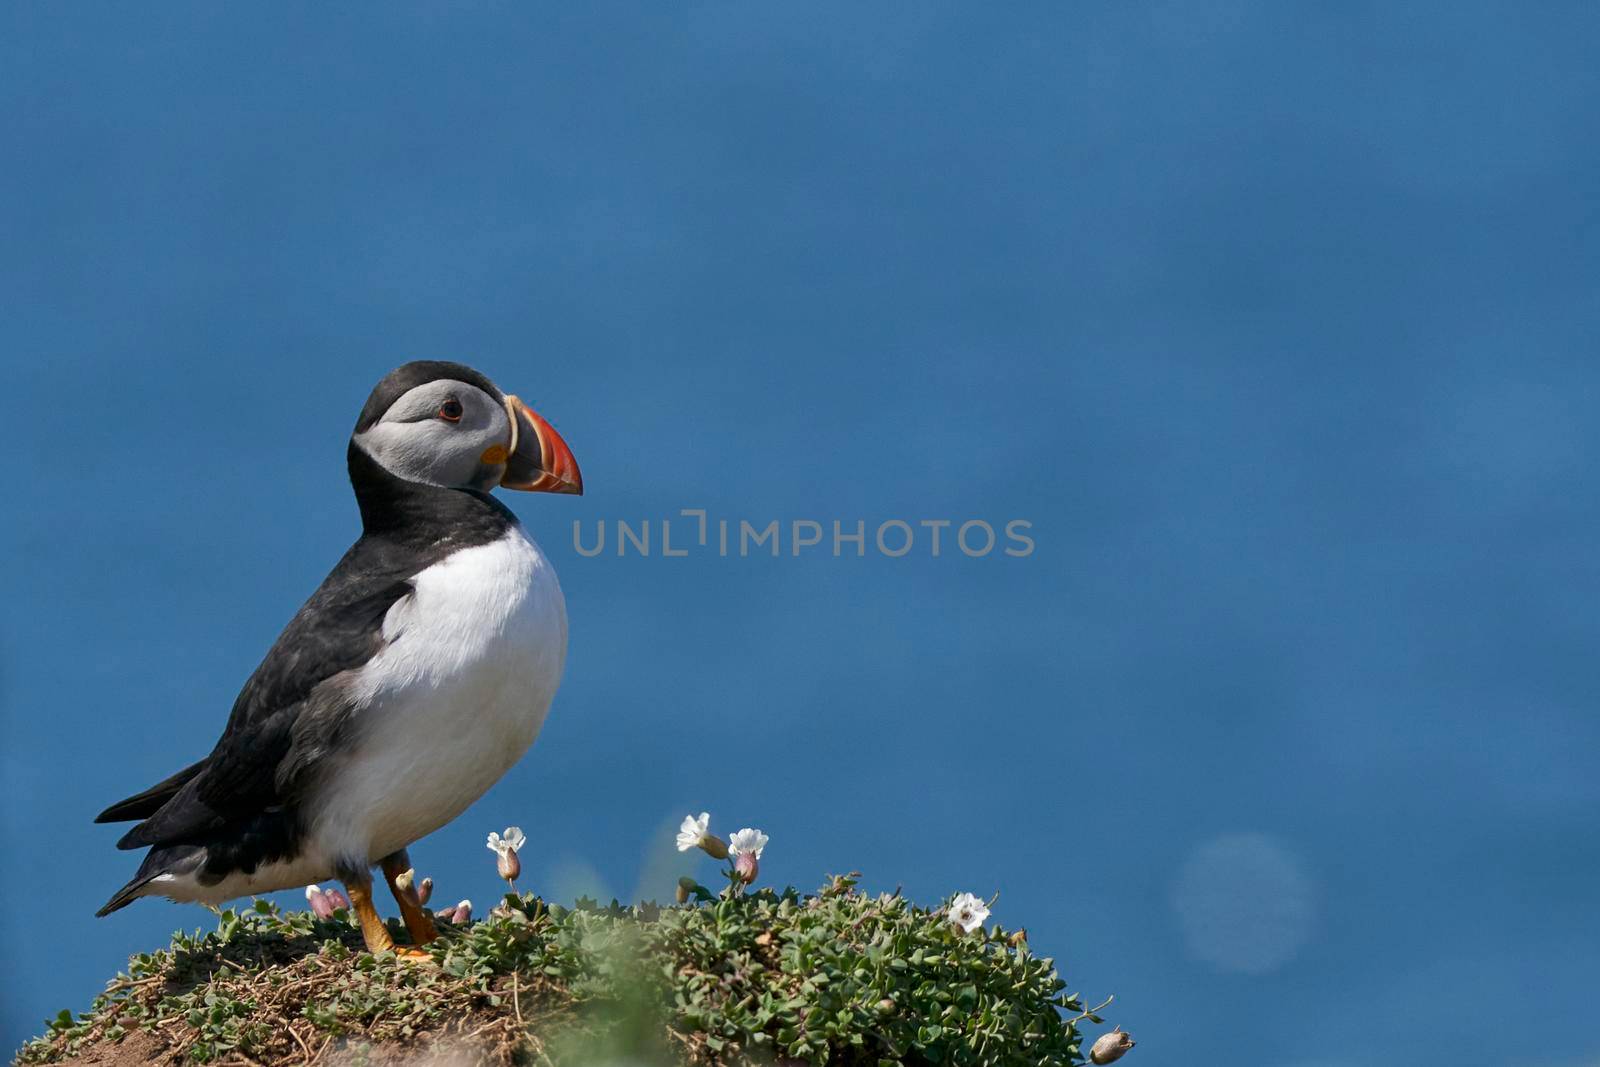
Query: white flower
{"points": [[967, 912], [747, 840], [693, 831], [514, 839]]}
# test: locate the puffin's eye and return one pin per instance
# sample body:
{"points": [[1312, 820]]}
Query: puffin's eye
{"points": [[450, 410]]}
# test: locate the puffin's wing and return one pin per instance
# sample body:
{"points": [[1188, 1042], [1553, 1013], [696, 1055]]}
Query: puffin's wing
{"points": [[286, 718], [145, 804]]}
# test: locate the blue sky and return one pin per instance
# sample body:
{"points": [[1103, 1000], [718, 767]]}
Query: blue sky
{"points": [[1277, 322]]}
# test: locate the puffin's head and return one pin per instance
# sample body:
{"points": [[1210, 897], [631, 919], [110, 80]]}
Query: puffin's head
{"points": [[445, 424]]}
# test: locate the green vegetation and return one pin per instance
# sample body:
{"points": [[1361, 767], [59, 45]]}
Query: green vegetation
{"points": [[838, 977]]}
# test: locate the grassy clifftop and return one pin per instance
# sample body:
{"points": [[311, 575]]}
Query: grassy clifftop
{"points": [[836, 977]]}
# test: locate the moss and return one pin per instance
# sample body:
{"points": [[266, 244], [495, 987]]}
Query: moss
{"points": [[834, 977]]}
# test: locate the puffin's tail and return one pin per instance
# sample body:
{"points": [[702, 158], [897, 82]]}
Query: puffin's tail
{"points": [[123, 897], [173, 859]]}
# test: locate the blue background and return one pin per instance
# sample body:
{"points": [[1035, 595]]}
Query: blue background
{"points": [[1278, 322]]}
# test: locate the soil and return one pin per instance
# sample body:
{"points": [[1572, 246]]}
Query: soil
{"points": [[139, 1049]]}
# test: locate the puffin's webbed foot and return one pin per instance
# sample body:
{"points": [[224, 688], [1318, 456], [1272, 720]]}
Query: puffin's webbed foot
{"points": [[373, 930], [419, 924]]}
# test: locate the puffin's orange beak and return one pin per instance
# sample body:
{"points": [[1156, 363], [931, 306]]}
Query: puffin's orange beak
{"points": [[539, 460]]}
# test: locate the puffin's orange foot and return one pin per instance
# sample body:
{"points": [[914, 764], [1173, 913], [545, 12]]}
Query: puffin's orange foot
{"points": [[373, 929], [398, 873], [413, 954]]}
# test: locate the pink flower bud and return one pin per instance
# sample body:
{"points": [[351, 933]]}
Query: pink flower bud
{"points": [[510, 867], [321, 906], [424, 890], [461, 913], [337, 898], [1110, 1047], [746, 867]]}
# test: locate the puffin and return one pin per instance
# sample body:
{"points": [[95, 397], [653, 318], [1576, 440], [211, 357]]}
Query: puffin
{"points": [[413, 678]]}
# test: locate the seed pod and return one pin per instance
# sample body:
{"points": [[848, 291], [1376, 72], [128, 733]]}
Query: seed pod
{"points": [[685, 887], [424, 890], [510, 867], [714, 846], [321, 906], [1109, 1048]]}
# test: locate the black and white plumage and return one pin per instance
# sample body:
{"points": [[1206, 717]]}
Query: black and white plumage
{"points": [[409, 682]]}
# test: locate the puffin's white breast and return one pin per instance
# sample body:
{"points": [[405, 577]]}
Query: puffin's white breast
{"points": [[472, 659]]}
